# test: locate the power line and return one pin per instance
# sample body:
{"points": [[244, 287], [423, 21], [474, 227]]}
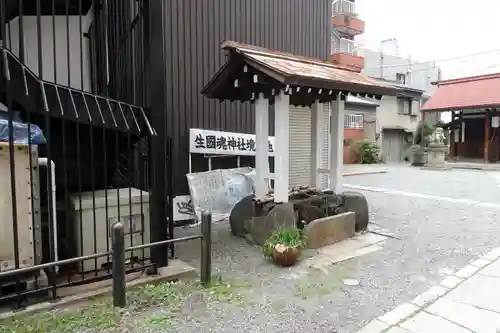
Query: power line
{"points": [[438, 60]]}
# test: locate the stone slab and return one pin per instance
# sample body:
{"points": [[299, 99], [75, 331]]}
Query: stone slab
{"points": [[397, 330], [363, 169], [341, 251], [261, 227], [492, 255], [429, 296], [480, 263], [467, 271], [356, 202], [435, 167], [492, 270], [398, 314], [329, 230], [243, 211], [475, 319], [451, 281], [375, 326], [479, 290], [425, 322]]}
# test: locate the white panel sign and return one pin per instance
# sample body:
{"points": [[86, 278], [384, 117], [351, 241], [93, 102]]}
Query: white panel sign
{"points": [[495, 121], [224, 143], [183, 208]]}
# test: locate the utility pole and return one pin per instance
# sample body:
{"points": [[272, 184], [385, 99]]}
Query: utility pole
{"points": [[381, 65]]}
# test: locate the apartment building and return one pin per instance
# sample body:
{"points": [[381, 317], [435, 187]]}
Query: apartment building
{"points": [[359, 115], [398, 116]]}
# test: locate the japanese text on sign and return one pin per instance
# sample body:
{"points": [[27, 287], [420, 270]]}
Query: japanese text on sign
{"points": [[224, 143]]}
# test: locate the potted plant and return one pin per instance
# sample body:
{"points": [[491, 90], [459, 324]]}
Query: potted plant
{"points": [[284, 246]]}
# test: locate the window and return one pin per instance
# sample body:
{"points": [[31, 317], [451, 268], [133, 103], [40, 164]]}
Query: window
{"points": [[404, 105], [353, 121], [401, 78]]}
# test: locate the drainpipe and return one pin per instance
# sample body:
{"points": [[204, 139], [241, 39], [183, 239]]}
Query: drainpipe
{"points": [[43, 161]]}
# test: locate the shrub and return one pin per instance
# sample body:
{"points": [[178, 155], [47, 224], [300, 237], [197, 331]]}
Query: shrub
{"points": [[428, 130], [368, 152], [290, 237], [418, 138]]}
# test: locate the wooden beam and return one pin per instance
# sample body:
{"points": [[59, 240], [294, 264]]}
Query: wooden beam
{"points": [[486, 138]]}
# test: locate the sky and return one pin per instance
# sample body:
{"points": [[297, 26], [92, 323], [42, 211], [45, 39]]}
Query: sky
{"points": [[430, 30]]}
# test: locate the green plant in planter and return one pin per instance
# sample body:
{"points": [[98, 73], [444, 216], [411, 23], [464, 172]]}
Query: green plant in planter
{"points": [[367, 151], [418, 138], [284, 245]]}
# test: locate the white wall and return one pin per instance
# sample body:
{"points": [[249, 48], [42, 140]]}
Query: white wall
{"points": [[388, 116], [62, 64], [386, 66]]}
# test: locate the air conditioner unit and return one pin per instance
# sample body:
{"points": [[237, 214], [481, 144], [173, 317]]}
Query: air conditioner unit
{"points": [[132, 206], [28, 217]]}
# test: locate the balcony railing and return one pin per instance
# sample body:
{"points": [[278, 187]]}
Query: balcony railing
{"points": [[344, 45], [343, 6]]}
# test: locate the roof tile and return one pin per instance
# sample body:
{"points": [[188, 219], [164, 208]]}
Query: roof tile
{"points": [[466, 93]]}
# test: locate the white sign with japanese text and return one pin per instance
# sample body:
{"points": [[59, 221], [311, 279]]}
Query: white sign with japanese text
{"points": [[224, 143], [183, 208], [495, 121]]}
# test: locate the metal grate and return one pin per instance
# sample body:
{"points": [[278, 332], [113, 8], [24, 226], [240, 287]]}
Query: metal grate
{"points": [[343, 6], [344, 45], [353, 121], [78, 75]]}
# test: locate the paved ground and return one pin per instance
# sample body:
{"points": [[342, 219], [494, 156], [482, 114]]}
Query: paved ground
{"points": [[465, 302], [442, 219]]}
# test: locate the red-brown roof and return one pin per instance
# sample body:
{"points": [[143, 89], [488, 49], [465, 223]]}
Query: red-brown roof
{"points": [[322, 80], [482, 91], [292, 65]]}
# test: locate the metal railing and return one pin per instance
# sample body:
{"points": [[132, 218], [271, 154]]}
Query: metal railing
{"points": [[343, 7], [75, 71], [343, 45], [353, 121]]}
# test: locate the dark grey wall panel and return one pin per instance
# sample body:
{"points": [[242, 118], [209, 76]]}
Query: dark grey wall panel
{"points": [[193, 32]]}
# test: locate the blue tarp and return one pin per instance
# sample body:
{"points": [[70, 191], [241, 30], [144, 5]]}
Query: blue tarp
{"points": [[21, 134]]}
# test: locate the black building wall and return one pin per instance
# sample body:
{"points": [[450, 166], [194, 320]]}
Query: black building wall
{"points": [[193, 32]]}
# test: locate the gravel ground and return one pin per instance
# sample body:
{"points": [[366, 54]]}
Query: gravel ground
{"points": [[434, 238]]}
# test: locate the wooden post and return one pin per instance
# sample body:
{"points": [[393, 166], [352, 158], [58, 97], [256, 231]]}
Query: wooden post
{"points": [[460, 133], [486, 137]]}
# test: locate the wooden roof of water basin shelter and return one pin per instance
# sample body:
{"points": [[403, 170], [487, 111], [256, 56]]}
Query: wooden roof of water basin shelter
{"points": [[252, 70]]}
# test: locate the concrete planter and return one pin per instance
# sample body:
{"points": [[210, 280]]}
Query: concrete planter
{"points": [[418, 155]]}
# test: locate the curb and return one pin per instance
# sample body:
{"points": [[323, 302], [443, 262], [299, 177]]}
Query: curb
{"points": [[358, 173], [391, 320], [177, 270]]}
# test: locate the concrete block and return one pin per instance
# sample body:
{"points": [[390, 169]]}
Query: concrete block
{"points": [[480, 263], [398, 314], [451, 281], [429, 296], [398, 330], [492, 255], [330, 230], [466, 315], [375, 326], [467, 271], [424, 322], [492, 270]]}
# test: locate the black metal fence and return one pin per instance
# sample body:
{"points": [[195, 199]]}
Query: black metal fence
{"points": [[74, 143]]}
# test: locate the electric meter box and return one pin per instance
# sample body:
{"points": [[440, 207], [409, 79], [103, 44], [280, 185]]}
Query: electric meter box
{"points": [[28, 211], [127, 205]]}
